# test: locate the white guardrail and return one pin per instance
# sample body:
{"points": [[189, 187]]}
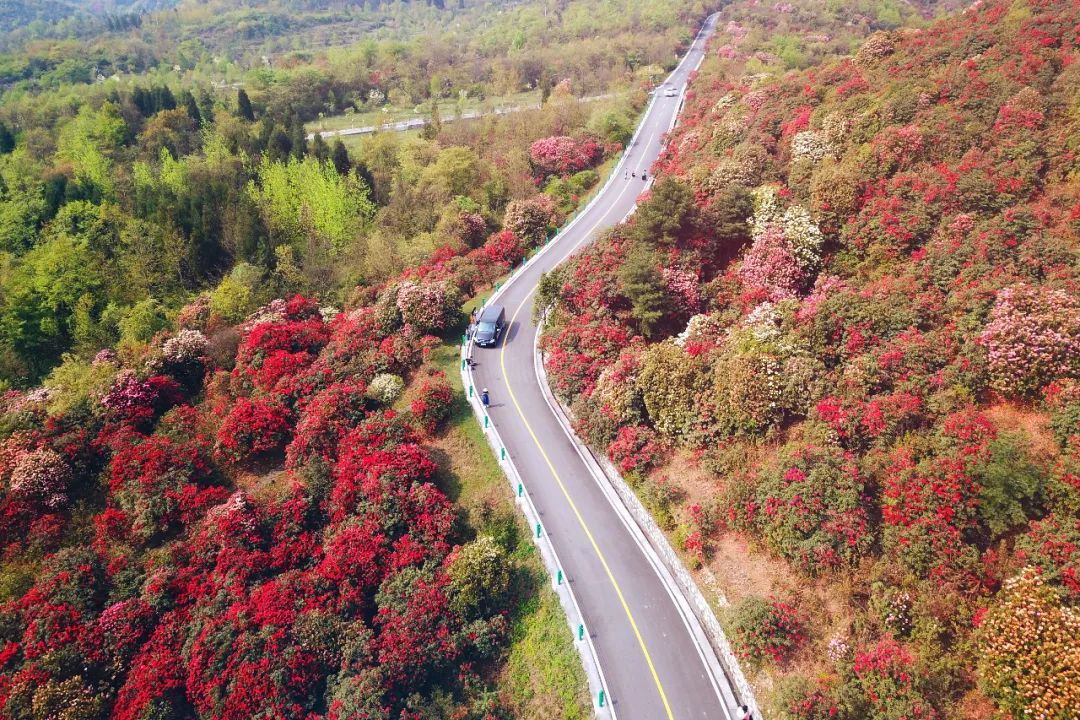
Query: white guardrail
{"points": [[601, 696]]}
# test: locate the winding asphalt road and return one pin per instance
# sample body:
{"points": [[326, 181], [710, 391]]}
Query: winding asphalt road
{"points": [[656, 666]]}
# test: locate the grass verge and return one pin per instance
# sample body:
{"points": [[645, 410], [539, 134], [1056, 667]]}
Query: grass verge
{"points": [[543, 678]]}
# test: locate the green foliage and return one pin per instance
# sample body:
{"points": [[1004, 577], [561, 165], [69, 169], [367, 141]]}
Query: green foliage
{"points": [[671, 382], [669, 214], [479, 578], [1011, 485], [76, 384], [644, 286], [297, 197], [142, 321], [232, 300]]}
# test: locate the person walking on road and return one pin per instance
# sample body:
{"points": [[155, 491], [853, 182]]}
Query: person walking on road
{"points": [[485, 398]]}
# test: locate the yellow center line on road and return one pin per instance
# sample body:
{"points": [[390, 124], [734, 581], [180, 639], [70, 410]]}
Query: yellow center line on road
{"points": [[566, 493]]}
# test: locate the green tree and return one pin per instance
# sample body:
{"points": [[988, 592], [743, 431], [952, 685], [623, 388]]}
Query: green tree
{"points": [[669, 215], [243, 106], [340, 157], [480, 579], [7, 139], [142, 321], [305, 195], [644, 286], [1011, 485]]}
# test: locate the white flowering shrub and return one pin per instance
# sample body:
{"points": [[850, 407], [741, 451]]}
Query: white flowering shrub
{"points": [[810, 145], [185, 347], [385, 388]]}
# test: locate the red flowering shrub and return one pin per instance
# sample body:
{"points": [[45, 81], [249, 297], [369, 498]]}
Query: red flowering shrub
{"points": [[161, 485], [323, 420], [886, 674], [253, 427], [280, 342], [765, 630], [575, 357], [636, 448], [504, 247], [562, 155], [1053, 546], [809, 507], [432, 404]]}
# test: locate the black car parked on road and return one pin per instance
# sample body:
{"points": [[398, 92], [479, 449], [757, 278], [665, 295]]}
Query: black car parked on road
{"points": [[490, 326]]}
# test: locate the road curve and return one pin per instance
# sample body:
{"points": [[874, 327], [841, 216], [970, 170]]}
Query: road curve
{"points": [[656, 667]]}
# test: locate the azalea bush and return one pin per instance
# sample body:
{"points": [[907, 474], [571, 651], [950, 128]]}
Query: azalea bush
{"points": [[1032, 339], [636, 448], [432, 403], [429, 307], [765, 630], [561, 154], [1029, 660], [253, 427]]}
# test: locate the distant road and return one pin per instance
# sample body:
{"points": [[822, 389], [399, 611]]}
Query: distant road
{"points": [[418, 122], [657, 664]]}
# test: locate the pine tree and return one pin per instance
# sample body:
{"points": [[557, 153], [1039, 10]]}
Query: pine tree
{"points": [[192, 107], [644, 286], [297, 138], [243, 106], [7, 140], [340, 157], [319, 148]]}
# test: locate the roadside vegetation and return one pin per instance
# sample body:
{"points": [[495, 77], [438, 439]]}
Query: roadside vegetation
{"points": [[837, 353]]}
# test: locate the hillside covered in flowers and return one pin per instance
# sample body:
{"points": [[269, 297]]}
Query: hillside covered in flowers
{"points": [[837, 352], [237, 521]]}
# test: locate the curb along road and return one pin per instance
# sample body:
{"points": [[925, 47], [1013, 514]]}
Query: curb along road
{"points": [[651, 648]]}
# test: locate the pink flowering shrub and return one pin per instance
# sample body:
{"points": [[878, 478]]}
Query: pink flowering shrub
{"points": [[42, 476], [187, 346], [529, 219], [769, 268], [136, 401], [429, 307], [684, 287], [1032, 338], [561, 154]]}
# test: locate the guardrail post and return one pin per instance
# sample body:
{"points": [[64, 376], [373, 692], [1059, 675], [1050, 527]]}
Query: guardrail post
{"points": [[486, 422], [581, 632], [470, 390], [502, 454], [464, 362], [601, 698], [558, 578], [521, 489], [537, 529]]}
